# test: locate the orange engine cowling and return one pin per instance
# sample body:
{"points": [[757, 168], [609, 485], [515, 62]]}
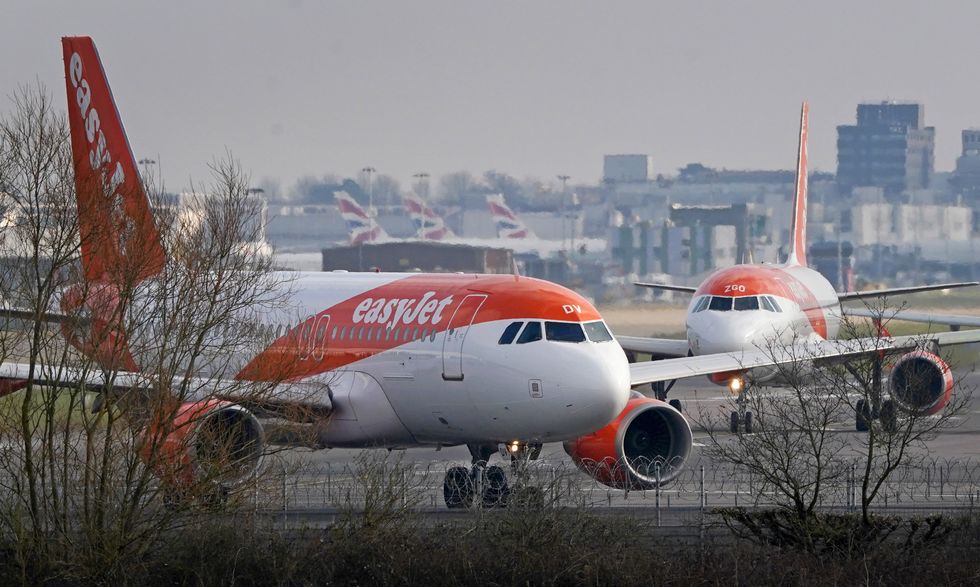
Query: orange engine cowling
{"points": [[208, 441], [649, 440], [921, 382]]}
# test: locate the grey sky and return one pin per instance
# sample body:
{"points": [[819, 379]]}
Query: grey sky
{"points": [[527, 87]]}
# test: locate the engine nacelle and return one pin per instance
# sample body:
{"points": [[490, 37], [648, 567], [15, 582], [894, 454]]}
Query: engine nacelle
{"points": [[921, 382], [648, 440], [213, 440]]}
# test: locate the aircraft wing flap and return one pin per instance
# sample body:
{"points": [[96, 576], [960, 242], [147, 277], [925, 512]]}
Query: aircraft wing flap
{"points": [[657, 347], [680, 368]]}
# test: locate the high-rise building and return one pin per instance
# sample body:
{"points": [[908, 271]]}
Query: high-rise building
{"points": [[890, 147], [966, 178]]}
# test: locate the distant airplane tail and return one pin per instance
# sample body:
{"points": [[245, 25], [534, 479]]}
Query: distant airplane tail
{"points": [[362, 228], [119, 240], [428, 225], [797, 251], [508, 224]]}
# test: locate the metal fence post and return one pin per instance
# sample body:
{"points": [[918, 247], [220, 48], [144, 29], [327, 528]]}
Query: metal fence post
{"points": [[657, 470], [704, 497]]}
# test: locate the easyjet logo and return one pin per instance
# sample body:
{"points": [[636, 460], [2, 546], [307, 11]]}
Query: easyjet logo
{"points": [[99, 155], [394, 311]]}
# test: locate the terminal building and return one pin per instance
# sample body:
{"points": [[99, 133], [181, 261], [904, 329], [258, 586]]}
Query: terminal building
{"points": [[890, 147]]}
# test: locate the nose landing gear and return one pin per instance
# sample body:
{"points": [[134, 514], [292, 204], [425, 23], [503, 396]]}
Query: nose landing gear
{"points": [[741, 417]]}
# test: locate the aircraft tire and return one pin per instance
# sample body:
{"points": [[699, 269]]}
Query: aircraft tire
{"points": [[457, 488], [734, 423], [748, 422], [862, 416]]}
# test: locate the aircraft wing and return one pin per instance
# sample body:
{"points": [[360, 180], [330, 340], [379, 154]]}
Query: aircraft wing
{"points": [[924, 317], [669, 369], [680, 288], [893, 291], [301, 401], [663, 348]]}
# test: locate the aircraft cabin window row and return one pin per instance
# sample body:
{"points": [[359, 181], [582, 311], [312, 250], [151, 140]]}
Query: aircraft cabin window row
{"points": [[556, 331], [742, 303]]}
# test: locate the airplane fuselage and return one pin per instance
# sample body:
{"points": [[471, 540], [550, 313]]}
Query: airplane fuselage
{"points": [[409, 359]]}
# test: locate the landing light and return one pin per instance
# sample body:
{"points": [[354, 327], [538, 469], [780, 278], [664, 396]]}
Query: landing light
{"points": [[514, 446], [735, 385]]}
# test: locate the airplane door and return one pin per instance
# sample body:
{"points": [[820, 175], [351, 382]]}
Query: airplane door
{"points": [[452, 344]]}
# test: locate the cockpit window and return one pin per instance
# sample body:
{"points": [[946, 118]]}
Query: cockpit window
{"points": [[768, 305], [564, 331], [701, 304], [509, 333], [597, 331], [747, 303], [532, 332], [720, 304]]}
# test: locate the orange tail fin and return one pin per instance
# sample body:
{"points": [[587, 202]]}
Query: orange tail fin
{"points": [[119, 238], [797, 252]]}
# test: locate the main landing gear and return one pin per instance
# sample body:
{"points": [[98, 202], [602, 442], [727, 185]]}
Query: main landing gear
{"points": [[741, 417], [660, 391], [875, 407], [487, 486]]}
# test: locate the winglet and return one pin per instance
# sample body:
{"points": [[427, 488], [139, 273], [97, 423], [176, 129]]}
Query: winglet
{"points": [[797, 252], [119, 239]]}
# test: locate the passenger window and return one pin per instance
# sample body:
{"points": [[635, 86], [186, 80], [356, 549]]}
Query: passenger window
{"points": [[415, 334], [747, 303], [597, 331], [720, 304], [509, 333], [395, 334], [564, 331], [532, 332], [333, 333]]}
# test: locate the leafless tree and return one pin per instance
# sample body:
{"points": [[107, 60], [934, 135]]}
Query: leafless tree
{"points": [[796, 452], [138, 406]]}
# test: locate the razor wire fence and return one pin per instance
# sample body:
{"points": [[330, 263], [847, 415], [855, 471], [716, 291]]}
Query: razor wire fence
{"points": [[934, 485]]}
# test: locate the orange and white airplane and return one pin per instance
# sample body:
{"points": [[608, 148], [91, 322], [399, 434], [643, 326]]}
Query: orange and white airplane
{"points": [[382, 359], [758, 306]]}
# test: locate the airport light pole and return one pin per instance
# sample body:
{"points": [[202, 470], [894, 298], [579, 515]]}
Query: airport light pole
{"points": [[146, 162], [564, 194], [370, 171], [423, 184]]}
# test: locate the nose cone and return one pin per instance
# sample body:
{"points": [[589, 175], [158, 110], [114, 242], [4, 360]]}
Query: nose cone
{"points": [[726, 332], [600, 386]]}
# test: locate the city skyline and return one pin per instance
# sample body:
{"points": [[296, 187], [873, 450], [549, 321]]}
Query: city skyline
{"points": [[531, 90]]}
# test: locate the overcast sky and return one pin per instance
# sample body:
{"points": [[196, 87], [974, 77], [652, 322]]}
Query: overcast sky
{"points": [[533, 88]]}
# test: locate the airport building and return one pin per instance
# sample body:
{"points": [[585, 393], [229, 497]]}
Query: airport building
{"points": [[890, 147]]}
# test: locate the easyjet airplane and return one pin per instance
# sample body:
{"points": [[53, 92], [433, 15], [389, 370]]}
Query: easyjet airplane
{"points": [[753, 306], [377, 359]]}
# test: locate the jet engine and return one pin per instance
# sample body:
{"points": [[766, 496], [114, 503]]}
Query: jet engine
{"points": [[921, 382], [648, 442], [210, 441]]}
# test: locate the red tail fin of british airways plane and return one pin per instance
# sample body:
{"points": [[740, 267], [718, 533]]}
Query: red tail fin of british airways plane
{"points": [[118, 236], [797, 252]]}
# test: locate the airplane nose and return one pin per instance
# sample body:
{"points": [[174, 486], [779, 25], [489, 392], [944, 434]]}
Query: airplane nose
{"points": [[726, 338], [602, 387]]}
